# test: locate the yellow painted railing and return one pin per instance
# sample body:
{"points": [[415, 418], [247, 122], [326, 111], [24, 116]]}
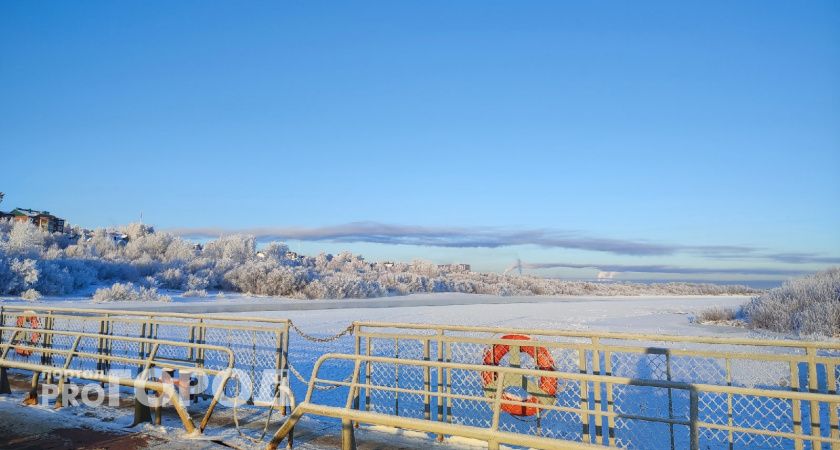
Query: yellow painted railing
{"points": [[259, 343], [767, 364], [489, 407], [20, 353]]}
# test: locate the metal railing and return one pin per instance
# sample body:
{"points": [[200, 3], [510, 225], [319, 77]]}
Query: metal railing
{"points": [[776, 365], [418, 378], [79, 358], [699, 415], [260, 344]]}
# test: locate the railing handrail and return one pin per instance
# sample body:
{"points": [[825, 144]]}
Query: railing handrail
{"points": [[827, 345], [693, 421], [145, 340], [606, 379], [597, 345], [203, 322], [121, 312]]}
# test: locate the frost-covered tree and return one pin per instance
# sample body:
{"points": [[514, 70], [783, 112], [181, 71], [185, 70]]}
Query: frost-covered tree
{"points": [[61, 263]]}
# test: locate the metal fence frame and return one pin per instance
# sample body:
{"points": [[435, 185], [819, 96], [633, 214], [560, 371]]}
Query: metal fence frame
{"points": [[148, 360], [594, 375], [804, 358], [196, 327], [494, 436]]}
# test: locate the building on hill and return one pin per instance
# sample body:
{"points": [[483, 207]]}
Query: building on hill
{"points": [[455, 267], [41, 219]]}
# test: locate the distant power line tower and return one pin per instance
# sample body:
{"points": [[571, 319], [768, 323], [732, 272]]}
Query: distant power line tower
{"points": [[517, 267]]}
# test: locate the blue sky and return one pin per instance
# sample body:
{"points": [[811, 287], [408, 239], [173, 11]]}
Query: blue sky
{"points": [[698, 139]]}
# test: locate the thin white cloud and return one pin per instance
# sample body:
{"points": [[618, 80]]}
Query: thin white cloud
{"points": [[666, 269], [490, 237]]}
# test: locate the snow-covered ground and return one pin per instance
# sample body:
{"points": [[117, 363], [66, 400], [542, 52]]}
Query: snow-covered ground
{"points": [[659, 314], [667, 315]]}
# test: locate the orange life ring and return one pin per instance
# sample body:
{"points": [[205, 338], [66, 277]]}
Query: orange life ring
{"points": [[34, 336], [543, 361]]}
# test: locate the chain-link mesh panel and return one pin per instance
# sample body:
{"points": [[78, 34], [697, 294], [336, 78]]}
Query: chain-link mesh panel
{"points": [[259, 350], [643, 360]]}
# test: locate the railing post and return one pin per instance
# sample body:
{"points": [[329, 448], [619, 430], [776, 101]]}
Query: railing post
{"points": [[397, 377], [202, 331], [348, 438], [497, 410], [427, 407], [279, 364], [694, 418], [448, 358], [497, 400], [142, 412], [5, 388], [109, 330], [142, 347], [440, 380], [357, 350], [596, 369], [796, 404], [610, 400], [831, 377], [45, 356], [191, 350], [32, 396], [814, 387], [100, 345], [729, 411], [368, 374], [59, 402], [584, 397], [253, 366], [670, 395]]}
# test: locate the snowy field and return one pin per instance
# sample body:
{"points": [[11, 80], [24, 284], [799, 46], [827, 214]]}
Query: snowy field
{"points": [[667, 315], [656, 314]]}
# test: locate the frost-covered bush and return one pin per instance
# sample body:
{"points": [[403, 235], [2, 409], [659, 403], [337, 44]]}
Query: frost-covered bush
{"points": [[276, 251], [30, 295], [195, 293], [118, 292], [717, 314], [17, 275], [315, 290], [126, 292], [236, 248], [266, 277], [805, 306], [171, 278], [25, 239]]}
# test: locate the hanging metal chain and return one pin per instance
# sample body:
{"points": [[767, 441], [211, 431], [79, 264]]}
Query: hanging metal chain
{"points": [[321, 340], [309, 337], [304, 380]]}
